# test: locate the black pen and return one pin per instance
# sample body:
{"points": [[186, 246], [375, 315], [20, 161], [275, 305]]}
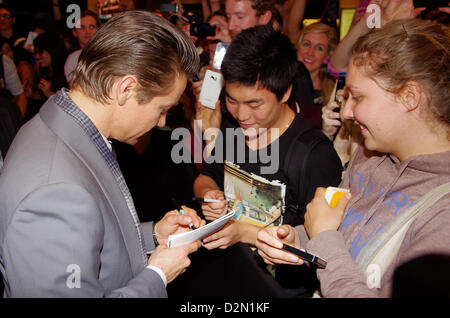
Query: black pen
{"points": [[306, 256], [206, 200], [182, 212]]}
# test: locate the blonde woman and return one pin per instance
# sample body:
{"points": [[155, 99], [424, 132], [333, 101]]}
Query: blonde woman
{"points": [[315, 45]]}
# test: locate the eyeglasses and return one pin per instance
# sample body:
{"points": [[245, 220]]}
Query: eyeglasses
{"points": [[6, 16], [90, 27]]}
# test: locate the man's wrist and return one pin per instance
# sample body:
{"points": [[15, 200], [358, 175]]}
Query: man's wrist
{"points": [[159, 272]]}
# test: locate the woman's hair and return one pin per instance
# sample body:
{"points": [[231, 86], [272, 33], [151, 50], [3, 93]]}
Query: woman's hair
{"points": [[136, 43], [409, 50], [54, 44], [333, 40]]}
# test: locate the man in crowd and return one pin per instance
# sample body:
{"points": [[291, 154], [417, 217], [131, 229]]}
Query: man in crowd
{"points": [[241, 15], [259, 69], [85, 27], [68, 226]]}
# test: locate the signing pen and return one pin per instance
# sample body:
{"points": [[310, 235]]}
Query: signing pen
{"points": [[182, 212], [206, 200], [306, 256]]}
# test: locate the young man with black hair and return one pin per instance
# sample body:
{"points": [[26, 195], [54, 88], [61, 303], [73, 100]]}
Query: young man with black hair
{"points": [[259, 69]]}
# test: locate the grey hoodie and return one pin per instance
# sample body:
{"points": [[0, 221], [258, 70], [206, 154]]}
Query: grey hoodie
{"points": [[382, 187]]}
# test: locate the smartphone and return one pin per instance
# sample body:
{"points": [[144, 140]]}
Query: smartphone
{"points": [[211, 88], [29, 42], [168, 7], [430, 4], [196, 77], [340, 85], [219, 54]]}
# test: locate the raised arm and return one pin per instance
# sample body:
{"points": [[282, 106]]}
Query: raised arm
{"points": [[294, 20], [388, 10]]}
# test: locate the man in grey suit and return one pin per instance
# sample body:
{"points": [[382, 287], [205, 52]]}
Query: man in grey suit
{"points": [[68, 226]]}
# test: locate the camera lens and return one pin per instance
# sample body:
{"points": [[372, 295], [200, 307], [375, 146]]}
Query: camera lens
{"points": [[202, 30]]}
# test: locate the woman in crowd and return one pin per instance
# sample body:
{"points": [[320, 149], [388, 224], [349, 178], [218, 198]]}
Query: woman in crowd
{"points": [[50, 55], [315, 45], [398, 82]]}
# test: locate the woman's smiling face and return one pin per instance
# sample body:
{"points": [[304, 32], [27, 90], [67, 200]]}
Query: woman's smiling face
{"points": [[313, 50], [380, 115]]}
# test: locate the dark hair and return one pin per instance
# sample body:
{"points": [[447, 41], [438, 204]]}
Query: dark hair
{"points": [[89, 13], [262, 56], [135, 43], [6, 7], [54, 44], [261, 6]]}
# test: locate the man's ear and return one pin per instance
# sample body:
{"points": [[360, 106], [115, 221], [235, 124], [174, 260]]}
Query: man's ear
{"points": [[411, 95], [125, 89], [265, 17], [286, 95]]}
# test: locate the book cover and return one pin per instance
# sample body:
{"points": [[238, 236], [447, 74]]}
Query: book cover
{"points": [[254, 199]]}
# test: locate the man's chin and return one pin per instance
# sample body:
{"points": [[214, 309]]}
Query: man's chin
{"points": [[234, 34]]}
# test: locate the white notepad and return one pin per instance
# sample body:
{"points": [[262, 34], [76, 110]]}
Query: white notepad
{"points": [[201, 232]]}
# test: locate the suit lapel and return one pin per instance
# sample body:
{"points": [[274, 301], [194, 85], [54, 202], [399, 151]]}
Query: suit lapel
{"points": [[66, 128]]}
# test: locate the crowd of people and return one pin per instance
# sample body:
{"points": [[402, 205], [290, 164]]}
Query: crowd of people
{"points": [[87, 173]]}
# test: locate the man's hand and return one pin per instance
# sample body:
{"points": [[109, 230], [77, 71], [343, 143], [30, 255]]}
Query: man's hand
{"points": [[222, 33], [173, 261], [321, 217], [173, 223], [270, 243], [211, 118], [214, 210]]}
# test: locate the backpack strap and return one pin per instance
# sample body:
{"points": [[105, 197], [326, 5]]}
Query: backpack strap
{"points": [[295, 169]]}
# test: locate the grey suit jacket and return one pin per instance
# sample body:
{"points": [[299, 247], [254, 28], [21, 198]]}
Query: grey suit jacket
{"points": [[65, 228]]}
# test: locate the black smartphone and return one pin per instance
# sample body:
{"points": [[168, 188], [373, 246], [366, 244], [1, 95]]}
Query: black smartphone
{"points": [[168, 7], [340, 85], [430, 4], [196, 77]]}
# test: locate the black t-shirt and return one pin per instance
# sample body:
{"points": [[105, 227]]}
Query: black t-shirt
{"points": [[302, 87], [324, 167]]}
